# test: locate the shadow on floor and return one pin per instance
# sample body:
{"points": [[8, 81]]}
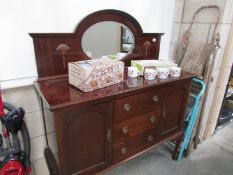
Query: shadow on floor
{"points": [[213, 157]]}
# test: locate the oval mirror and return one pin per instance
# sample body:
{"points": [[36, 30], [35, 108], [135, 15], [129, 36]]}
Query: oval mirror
{"points": [[108, 39]]}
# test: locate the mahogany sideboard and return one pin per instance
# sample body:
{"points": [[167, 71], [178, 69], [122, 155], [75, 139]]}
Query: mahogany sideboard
{"points": [[104, 127]]}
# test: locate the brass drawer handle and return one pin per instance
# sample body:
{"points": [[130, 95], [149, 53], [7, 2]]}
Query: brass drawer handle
{"points": [[127, 107], [109, 136], [123, 150], [155, 98], [152, 119], [150, 138], [125, 130]]}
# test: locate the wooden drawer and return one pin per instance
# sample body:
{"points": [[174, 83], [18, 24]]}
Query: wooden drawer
{"points": [[134, 145], [137, 104], [124, 130]]}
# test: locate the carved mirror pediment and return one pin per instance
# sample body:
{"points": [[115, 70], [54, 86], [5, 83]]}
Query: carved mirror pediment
{"points": [[92, 40]]}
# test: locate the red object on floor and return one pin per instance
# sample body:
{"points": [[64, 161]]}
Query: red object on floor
{"points": [[1, 106], [13, 167]]}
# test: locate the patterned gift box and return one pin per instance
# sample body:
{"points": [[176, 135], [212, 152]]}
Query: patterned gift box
{"points": [[95, 74]]}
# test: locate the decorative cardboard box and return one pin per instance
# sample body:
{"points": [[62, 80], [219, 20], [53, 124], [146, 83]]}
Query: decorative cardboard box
{"points": [[141, 64], [95, 74]]}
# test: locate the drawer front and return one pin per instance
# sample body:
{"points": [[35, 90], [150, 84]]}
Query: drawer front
{"points": [[137, 105], [134, 145], [124, 130]]}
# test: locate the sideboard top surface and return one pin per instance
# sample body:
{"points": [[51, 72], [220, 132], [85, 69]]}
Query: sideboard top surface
{"points": [[59, 94]]}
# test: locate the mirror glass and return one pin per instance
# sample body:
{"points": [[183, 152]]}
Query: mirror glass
{"points": [[108, 39]]}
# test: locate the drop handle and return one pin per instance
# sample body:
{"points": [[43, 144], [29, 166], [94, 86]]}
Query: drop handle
{"points": [[123, 150], [155, 98], [125, 130], [150, 138], [152, 119], [109, 136], [127, 107]]}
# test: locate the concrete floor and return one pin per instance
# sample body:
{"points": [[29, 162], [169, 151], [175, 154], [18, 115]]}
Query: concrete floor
{"points": [[213, 157]]}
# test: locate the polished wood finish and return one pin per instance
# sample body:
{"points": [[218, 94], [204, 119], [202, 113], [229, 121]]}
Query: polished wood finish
{"points": [[93, 130], [137, 104], [174, 105], [126, 129], [108, 126], [86, 148], [58, 94], [50, 62], [134, 145]]}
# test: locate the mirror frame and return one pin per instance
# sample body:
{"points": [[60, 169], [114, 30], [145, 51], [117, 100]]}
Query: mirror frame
{"points": [[120, 34], [53, 51]]}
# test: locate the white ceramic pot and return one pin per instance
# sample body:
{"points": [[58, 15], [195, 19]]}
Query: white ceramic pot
{"points": [[175, 71], [133, 72], [163, 72], [150, 74]]}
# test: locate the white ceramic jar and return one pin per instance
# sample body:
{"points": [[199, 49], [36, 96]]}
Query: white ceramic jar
{"points": [[175, 71], [163, 72], [133, 72], [150, 74]]}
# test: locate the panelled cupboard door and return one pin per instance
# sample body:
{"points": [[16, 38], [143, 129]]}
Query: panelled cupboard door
{"points": [[175, 100], [87, 146]]}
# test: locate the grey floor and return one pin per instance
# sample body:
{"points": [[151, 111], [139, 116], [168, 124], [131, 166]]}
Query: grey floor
{"points": [[213, 157]]}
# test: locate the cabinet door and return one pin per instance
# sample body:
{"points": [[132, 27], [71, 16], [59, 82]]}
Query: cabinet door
{"points": [[86, 146], [175, 100]]}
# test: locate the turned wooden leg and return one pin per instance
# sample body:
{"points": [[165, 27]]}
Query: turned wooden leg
{"points": [[175, 152]]}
